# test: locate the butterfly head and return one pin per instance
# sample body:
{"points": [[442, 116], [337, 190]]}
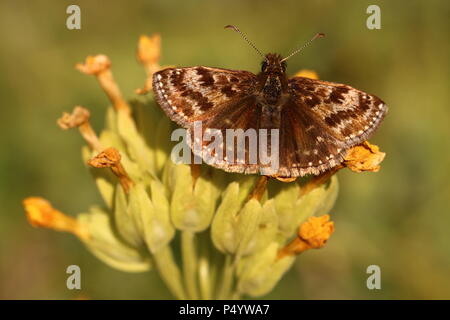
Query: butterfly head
{"points": [[273, 79], [273, 64]]}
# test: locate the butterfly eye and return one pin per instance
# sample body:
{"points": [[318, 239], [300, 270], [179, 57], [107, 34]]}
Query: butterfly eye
{"points": [[263, 65]]}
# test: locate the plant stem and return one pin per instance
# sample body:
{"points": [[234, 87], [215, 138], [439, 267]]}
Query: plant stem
{"points": [[169, 272], [227, 280], [204, 278], [189, 254], [235, 296], [206, 268], [216, 260], [259, 188]]}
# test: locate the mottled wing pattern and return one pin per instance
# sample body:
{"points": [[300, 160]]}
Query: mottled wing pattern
{"points": [[243, 114], [199, 93], [321, 121], [350, 114], [306, 146]]}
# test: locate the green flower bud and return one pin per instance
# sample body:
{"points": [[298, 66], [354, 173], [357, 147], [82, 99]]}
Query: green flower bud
{"points": [[135, 144], [111, 120], [104, 179], [155, 131], [162, 145], [285, 198], [183, 212], [206, 194], [124, 221], [106, 246], [222, 232], [151, 217], [192, 205], [259, 273], [317, 202], [267, 228], [241, 231]]}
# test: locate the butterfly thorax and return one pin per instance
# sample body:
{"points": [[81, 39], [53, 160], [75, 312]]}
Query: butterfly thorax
{"points": [[272, 86], [272, 79]]}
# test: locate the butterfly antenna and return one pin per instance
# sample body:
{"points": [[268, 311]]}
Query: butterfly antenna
{"points": [[245, 38], [318, 35]]}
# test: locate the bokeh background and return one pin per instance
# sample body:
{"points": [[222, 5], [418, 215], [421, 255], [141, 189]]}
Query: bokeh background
{"points": [[397, 218]]}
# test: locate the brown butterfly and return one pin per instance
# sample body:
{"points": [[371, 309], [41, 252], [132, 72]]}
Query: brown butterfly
{"points": [[318, 121]]}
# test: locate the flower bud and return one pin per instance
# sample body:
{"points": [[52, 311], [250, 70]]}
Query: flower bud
{"points": [[243, 229], [154, 224], [259, 273], [106, 246], [125, 223]]}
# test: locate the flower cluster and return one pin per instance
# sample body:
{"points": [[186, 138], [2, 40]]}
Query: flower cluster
{"points": [[238, 234]]}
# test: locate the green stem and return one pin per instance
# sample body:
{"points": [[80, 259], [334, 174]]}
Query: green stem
{"points": [[227, 279], [236, 295], [204, 270], [189, 254], [169, 272], [215, 262]]}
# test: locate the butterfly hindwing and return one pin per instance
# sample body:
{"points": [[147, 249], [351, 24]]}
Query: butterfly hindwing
{"points": [[306, 145], [241, 117]]}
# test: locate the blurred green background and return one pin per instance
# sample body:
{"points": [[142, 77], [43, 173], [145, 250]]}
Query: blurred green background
{"points": [[397, 218]]}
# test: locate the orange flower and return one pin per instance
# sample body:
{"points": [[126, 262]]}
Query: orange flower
{"points": [[316, 231], [95, 65], [312, 234], [149, 49], [110, 158], [40, 213], [148, 54], [307, 74], [364, 157], [80, 118], [100, 66]]}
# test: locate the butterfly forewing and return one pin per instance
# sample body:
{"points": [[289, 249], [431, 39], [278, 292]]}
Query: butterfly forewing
{"points": [[198, 93], [349, 114]]}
